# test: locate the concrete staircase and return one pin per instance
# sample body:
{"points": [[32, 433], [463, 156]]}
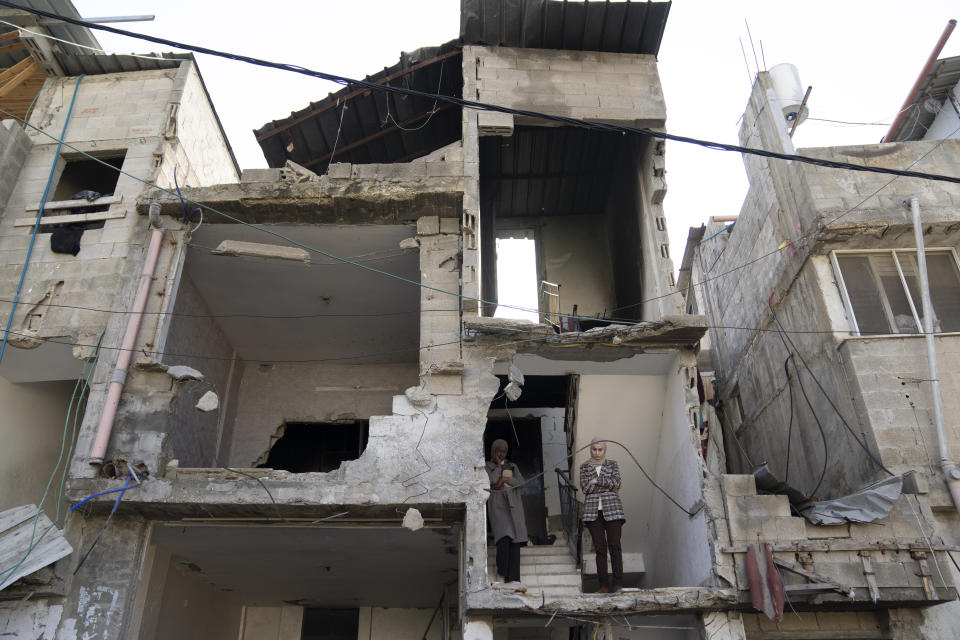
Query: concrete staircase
{"points": [[549, 570]]}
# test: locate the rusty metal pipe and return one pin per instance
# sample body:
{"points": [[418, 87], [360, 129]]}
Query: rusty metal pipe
{"points": [[920, 78], [119, 375]]}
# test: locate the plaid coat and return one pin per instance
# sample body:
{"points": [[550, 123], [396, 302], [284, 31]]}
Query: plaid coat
{"points": [[593, 493]]}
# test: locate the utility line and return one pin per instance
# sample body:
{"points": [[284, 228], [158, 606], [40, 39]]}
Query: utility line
{"points": [[482, 106], [288, 239]]}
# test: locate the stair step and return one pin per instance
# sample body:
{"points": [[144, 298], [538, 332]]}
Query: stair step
{"points": [[552, 593]]}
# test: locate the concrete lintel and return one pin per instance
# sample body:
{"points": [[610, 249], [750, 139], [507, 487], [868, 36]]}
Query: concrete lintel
{"points": [[347, 201], [661, 600], [618, 341], [260, 250]]}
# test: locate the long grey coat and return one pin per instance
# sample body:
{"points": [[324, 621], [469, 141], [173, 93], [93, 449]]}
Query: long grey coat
{"points": [[505, 508]]}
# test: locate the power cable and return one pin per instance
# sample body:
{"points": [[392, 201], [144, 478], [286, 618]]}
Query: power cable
{"points": [[856, 438], [290, 240], [482, 106], [823, 435], [786, 466]]}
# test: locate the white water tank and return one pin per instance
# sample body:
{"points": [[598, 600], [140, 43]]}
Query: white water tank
{"points": [[789, 91]]}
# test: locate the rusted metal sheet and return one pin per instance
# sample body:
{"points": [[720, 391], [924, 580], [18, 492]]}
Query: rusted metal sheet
{"points": [[766, 585]]}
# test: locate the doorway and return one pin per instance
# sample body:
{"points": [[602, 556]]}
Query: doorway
{"points": [[526, 451]]}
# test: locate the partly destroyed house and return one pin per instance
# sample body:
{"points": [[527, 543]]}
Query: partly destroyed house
{"points": [[822, 351], [296, 447]]}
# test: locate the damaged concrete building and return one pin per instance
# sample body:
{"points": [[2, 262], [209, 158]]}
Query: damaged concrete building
{"points": [[289, 378], [826, 337]]}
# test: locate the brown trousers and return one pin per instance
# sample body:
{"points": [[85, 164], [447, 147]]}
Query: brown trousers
{"points": [[606, 537]]}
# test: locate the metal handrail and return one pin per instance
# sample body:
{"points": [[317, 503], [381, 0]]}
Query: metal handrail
{"points": [[571, 515]]}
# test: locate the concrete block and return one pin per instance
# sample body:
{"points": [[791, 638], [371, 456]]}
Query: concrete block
{"points": [[738, 485], [428, 225], [449, 225], [814, 532]]}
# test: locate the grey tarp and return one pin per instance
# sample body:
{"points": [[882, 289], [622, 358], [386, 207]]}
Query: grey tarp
{"points": [[870, 503]]}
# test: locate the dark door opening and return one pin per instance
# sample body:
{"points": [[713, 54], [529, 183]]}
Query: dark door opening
{"points": [[317, 446], [528, 455], [330, 624]]}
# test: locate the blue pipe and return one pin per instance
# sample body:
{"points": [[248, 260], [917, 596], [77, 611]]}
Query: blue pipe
{"points": [[36, 225], [726, 228]]}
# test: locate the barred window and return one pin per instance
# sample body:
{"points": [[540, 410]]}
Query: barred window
{"points": [[881, 290]]}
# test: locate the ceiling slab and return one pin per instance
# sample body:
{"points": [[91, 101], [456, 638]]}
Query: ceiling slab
{"points": [[352, 314], [347, 566]]}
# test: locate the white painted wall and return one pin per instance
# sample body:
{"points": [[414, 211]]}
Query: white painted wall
{"points": [[31, 430], [397, 624], [271, 623], [681, 557], [628, 409], [194, 610], [554, 442]]}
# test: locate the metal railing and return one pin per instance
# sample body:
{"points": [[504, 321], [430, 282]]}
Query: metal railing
{"points": [[571, 515]]}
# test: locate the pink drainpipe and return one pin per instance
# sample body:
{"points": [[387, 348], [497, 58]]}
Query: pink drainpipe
{"points": [[119, 375]]}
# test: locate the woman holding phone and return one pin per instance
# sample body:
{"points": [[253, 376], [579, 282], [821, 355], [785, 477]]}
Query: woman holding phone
{"points": [[505, 513]]}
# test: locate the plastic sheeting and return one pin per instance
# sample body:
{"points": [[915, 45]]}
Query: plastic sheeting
{"points": [[870, 503]]}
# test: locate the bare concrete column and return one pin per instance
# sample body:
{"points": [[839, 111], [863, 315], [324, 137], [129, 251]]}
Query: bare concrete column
{"points": [[478, 628], [439, 311], [722, 625], [906, 624]]}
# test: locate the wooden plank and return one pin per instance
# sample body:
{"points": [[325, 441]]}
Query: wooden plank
{"points": [[74, 204], [11, 85], [10, 72], [10, 48], [32, 547], [67, 219], [9, 35]]}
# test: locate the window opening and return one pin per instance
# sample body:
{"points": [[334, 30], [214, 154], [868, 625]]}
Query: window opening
{"points": [[85, 175], [317, 446], [330, 624], [517, 277], [883, 291]]}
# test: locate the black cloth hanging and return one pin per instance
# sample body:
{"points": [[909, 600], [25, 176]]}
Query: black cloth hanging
{"points": [[66, 239]]}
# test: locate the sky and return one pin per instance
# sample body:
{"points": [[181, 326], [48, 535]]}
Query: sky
{"points": [[860, 56]]}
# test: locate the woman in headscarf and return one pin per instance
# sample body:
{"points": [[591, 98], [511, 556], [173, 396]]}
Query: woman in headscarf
{"points": [[505, 512], [603, 512]]}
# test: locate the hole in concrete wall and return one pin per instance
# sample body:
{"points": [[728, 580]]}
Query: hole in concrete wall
{"points": [[317, 446], [517, 276], [330, 624], [87, 174]]}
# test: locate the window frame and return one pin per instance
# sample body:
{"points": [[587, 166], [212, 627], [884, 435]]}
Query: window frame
{"points": [[888, 313]]}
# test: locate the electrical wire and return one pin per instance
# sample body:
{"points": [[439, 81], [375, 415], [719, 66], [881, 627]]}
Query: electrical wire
{"points": [[481, 106], [83, 386], [122, 492], [786, 466], [36, 224], [290, 240], [83, 46], [856, 438], [823, 435]]}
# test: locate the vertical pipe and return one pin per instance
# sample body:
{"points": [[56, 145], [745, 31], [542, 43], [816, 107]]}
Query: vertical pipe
{"points": [[920, 79], [950, 472], [119, 375]]}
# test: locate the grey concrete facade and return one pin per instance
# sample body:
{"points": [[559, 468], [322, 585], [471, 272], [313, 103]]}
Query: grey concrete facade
{"points": [[794, 218]]}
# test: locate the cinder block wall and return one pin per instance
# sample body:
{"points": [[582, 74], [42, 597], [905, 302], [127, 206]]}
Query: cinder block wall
{"points": [[613, 87], [14, 147]]}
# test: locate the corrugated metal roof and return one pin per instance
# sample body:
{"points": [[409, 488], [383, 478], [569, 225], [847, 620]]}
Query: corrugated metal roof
{"points": [[618, 27], [62, 30], [919, 116], [370, 119], [542, 171], [93, 64]]}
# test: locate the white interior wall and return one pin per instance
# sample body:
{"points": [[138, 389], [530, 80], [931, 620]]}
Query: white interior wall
{"points": [[576, 256], [272, 623], [193, 610], [398, 624], [628, 409], [270, 395], [682, 556], [31, 431], [554, 442]]}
